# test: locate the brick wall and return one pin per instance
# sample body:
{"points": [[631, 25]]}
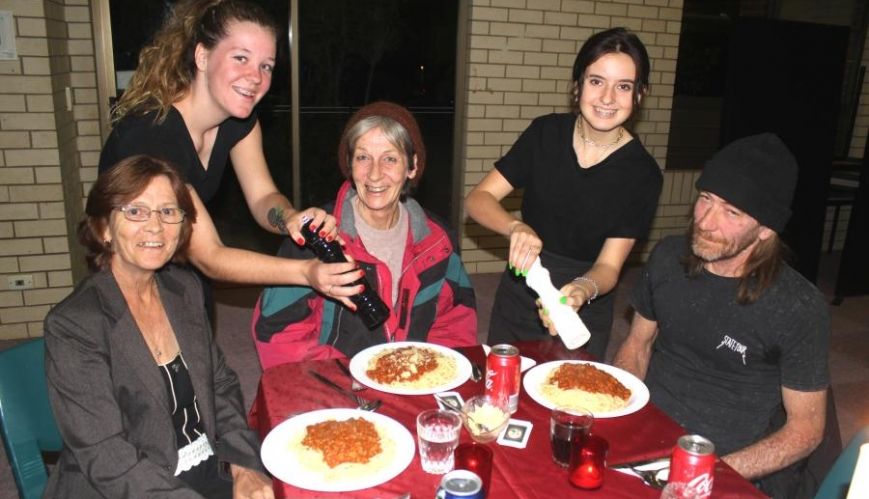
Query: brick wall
{"points": [[46, 135], [521, 55]]}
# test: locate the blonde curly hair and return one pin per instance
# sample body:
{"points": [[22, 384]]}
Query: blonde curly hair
{"points": [[167, 67]]}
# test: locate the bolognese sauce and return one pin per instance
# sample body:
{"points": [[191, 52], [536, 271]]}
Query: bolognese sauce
{"points": [[588, 378], [354, 440], [403, 364]]}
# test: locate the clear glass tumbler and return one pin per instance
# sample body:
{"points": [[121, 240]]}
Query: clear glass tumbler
{"points": [[437, 435]]}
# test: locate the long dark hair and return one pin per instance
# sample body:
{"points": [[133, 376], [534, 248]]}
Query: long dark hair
{"points": [[614, 41]]}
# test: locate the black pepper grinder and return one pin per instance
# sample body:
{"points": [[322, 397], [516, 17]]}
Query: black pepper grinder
{"points": [[369, 306]]}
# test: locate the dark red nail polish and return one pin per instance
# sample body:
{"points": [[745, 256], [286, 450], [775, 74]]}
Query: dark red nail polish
{"points": [[301, 241], [313, 227], [329, 238]]}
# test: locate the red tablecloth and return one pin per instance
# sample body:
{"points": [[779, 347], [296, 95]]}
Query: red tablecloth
{"points": [[288, 389]]}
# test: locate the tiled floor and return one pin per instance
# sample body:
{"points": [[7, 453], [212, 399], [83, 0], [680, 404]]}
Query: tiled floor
{"points": [[849, 352]]}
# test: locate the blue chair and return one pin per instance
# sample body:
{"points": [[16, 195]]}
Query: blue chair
{"points": [[26, 421], [835, 484]]}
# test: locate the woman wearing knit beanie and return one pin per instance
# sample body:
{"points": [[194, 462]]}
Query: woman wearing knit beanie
{"points": [[408, 257], [590, 191]]}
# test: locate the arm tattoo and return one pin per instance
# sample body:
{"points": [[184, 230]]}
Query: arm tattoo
{"points": [[276, 219]]}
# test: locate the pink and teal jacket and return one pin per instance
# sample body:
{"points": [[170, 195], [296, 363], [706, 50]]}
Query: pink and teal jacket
{"points": [[435, 298]]}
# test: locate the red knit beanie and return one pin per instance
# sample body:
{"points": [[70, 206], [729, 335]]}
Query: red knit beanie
{"points": [[397, 113]]}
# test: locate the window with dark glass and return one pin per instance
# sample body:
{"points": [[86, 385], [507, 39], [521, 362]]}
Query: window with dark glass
{"points": [[351, 53]]}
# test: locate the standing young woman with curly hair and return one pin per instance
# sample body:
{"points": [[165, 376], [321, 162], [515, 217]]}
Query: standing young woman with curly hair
{"points": [[191, 102]]}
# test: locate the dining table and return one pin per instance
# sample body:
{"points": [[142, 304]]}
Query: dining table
{"points": [[289, 389]]}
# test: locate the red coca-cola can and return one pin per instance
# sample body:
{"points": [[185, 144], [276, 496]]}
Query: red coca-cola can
{"points": [[502, 375], [693, 463]]}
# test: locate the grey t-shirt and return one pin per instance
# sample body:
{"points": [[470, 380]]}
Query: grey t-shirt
{"points": [[717, 367]]}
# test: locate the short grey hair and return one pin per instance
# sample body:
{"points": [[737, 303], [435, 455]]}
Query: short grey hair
{"points": [[395, 133]]}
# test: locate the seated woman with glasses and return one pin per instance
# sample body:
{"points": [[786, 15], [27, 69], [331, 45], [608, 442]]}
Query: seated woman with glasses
{"points": [[143, 398], [410, 258]]}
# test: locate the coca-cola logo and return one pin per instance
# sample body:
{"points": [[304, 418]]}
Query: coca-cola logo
{"points": [[490, 378], [701, 485], [491, 375]]}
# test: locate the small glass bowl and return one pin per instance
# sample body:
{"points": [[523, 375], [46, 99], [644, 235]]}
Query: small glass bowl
{"points": [[480, 415]]}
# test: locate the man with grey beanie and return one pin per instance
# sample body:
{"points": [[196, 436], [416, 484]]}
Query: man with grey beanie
{"points": [[731, 341]]}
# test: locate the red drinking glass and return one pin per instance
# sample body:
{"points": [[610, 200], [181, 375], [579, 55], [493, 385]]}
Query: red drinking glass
{"points": [[588, 463], [476, 457]]}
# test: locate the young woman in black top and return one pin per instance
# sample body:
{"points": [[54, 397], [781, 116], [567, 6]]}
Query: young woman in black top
{"points": [[590, 191], [191, 102]]}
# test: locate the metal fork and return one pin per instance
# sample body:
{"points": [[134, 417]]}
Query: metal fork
{"points": [[354, 385], [453, 406], [361, 403], [650, 477]]}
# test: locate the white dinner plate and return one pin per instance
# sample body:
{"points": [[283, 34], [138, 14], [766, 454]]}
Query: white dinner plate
{"points": [[535, 378], [285, 465], [359, 366]]}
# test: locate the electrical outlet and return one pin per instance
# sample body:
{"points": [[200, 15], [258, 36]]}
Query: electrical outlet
{"points": [[20, 281]]}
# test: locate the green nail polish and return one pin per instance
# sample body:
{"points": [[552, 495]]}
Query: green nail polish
{"points": [[563, 300]]}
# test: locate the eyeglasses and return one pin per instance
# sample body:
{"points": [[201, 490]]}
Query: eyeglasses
{"points": [[137, 213]]}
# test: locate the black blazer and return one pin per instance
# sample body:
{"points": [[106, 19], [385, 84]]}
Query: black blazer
{"points": [[110, 401]]}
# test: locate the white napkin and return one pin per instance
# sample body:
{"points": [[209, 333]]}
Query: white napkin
{"points": [[524, 362], [860, 482], [570, 327], [661, 466]]}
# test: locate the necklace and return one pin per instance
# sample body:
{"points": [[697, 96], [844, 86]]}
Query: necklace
{"points": [[154, 325], [394, 217], [595, 144], [160, 340]]}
